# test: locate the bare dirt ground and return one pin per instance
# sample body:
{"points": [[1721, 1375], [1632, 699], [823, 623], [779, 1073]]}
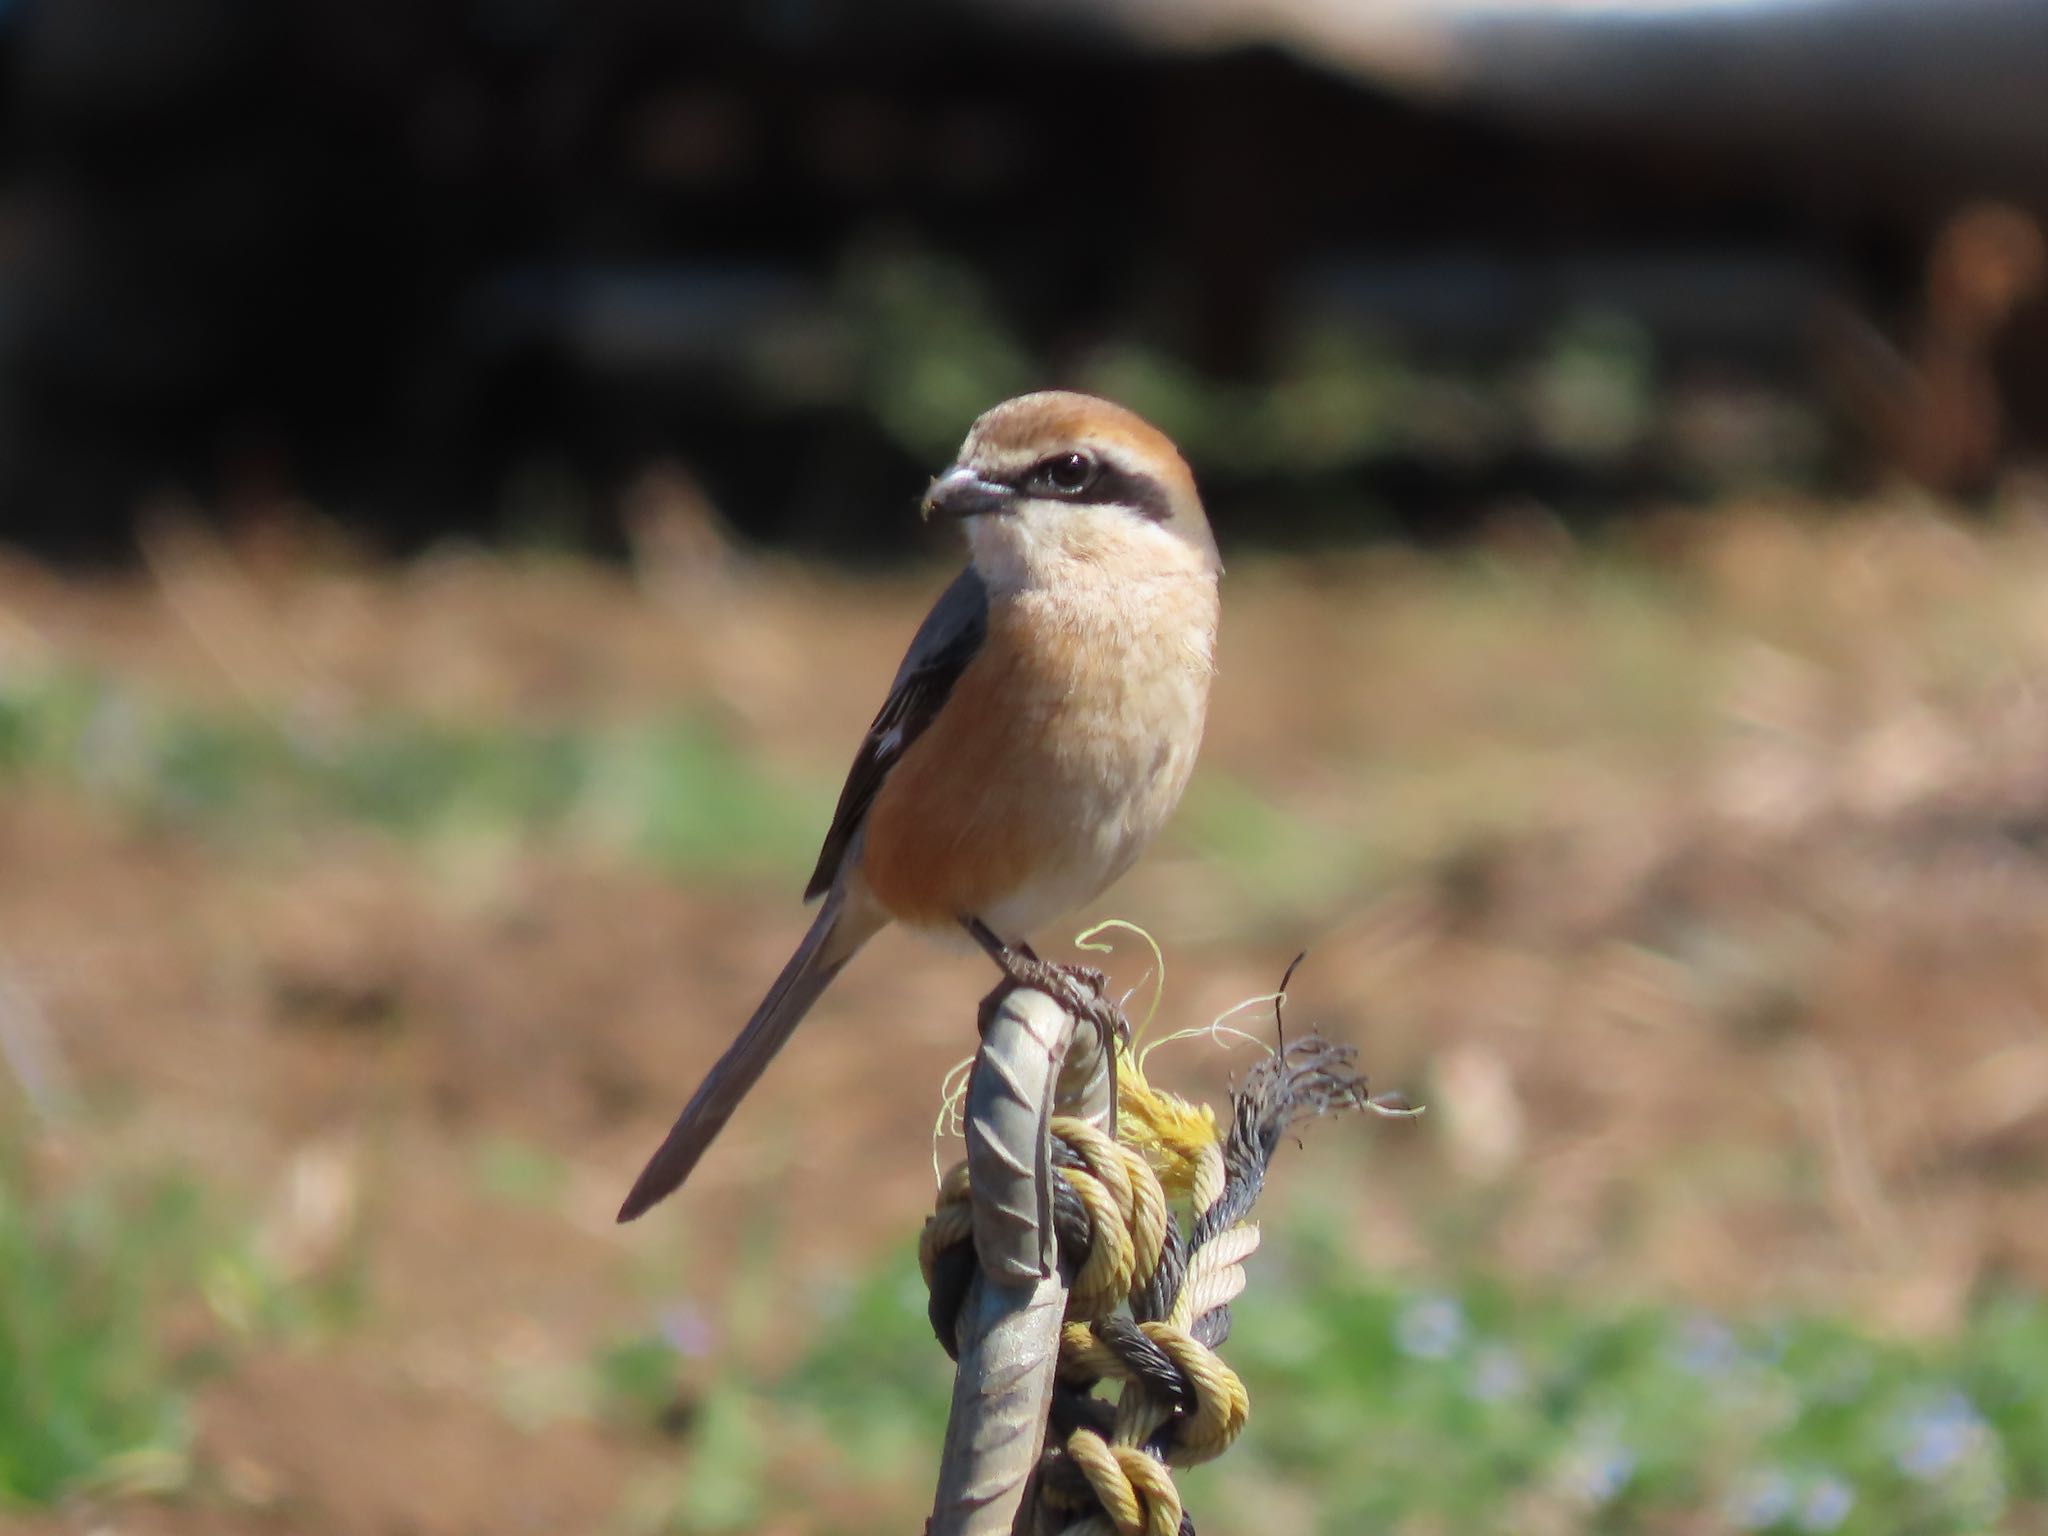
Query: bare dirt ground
{"points": [[1707, 910]]}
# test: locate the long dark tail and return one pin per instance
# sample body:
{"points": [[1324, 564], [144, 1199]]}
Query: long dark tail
{"points": [[834, 937]]}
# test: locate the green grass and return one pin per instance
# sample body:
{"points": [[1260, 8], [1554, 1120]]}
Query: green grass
{"points": [[678, 791], [1481, 1407], [857, 1418], [1472, 1408], [874, 1378], [120, 1293], [87, 1397]]}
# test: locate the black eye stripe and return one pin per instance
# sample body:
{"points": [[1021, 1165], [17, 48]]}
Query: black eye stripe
{"points": [[1127, 488], [1110, 486]]}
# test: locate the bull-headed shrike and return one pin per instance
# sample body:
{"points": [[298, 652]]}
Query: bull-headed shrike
{"points": [[1038, 733]]}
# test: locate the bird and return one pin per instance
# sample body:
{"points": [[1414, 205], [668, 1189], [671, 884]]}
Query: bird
{"points": [[1039, 732]]}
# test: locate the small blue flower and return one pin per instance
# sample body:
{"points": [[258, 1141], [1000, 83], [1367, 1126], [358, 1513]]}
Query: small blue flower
{"points": [[688, 1330], [1430, 1327], [1934, 1438], [1773, 1341], [1827, 1504], [1761, 1499], [1606, 1474], [1706, 1346], [1498, 1374], [1597, 1469]]}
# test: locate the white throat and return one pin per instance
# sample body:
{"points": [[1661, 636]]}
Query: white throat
{"points": [[1050, 544]]}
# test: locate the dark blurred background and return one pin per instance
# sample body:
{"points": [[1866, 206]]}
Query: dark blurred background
{"points": [[437, 267]]}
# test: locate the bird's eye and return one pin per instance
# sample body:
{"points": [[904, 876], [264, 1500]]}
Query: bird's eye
{"points": [[1065, 474]]}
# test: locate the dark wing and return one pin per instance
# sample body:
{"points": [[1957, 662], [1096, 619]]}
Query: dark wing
{"points": [[939, 652]]}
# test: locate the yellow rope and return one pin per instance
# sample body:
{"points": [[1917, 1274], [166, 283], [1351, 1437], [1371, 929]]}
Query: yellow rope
{"points": [[1169, 1147], [1137, 1493], [1221, 1403]]}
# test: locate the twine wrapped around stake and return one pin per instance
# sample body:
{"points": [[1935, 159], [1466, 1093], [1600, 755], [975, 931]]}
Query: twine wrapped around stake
{"points": [[1147, 1294]]}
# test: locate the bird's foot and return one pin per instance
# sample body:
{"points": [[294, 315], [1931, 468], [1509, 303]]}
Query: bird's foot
{"points": [[1076, 988], [1080, 989]]}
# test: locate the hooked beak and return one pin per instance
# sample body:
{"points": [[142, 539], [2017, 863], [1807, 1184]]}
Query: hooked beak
{"points": [[962, 493]]}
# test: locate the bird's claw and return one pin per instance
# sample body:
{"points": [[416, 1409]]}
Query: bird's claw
{"points": [[1080, 989], [1087, 994]]}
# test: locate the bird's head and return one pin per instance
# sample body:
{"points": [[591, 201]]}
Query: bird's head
{"points": [[1049, 482]]}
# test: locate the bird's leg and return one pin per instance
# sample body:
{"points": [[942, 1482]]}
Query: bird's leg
{"points": [[1078, 988]]}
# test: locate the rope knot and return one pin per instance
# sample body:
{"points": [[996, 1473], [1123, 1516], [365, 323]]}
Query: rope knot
{"points": [[1135, 1492], [1149, 1299]]}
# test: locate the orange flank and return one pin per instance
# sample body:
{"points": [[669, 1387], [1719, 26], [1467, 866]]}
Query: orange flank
{"points": [[962, 819]]}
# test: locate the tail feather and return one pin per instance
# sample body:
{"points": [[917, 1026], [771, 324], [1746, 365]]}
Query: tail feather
{"points": [[834, 938]]}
